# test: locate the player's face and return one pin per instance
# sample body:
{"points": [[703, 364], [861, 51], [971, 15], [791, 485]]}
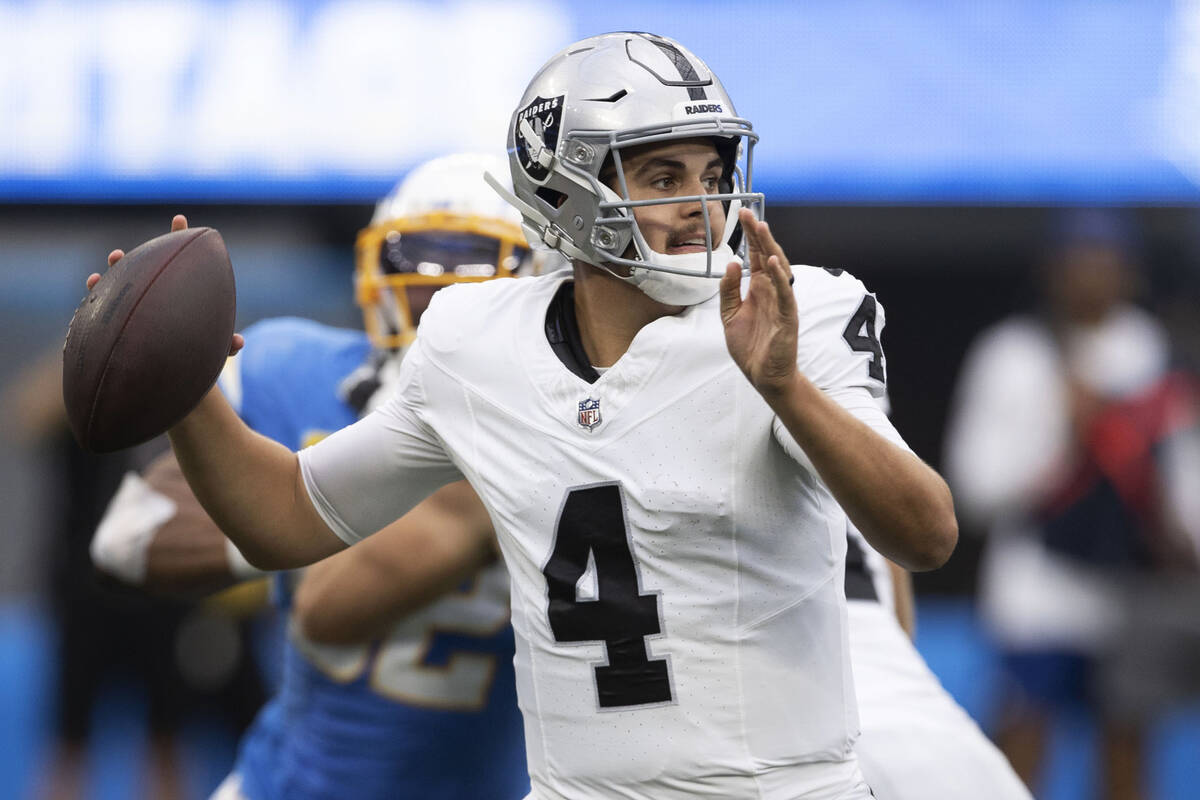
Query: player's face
{"points": [[675, 169], [433, 259], [403, 262]]}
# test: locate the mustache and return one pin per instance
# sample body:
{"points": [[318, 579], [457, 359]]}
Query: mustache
{"points": [[690, 235]]}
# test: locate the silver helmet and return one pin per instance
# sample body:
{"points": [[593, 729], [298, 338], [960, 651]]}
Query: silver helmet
{"points": [[596, 98]]}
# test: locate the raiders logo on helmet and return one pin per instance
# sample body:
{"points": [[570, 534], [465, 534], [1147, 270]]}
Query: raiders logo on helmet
{"points": [[537, 126]]}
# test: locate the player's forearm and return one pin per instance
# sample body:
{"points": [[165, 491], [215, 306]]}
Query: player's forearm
{"points": [[901, 505], [359, 594], [350, 601], [251, 487], [156, 541], [331, 610], [179, 564], [187, 555]]}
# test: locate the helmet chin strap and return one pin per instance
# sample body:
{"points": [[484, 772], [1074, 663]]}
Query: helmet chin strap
{"points": [[674, 289], [687, 290]]}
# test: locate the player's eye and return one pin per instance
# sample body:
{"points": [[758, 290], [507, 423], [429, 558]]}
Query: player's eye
{"points": [[664, 182]]}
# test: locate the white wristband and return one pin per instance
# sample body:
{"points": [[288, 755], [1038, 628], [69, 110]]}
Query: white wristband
{"points": [[134, 516]]}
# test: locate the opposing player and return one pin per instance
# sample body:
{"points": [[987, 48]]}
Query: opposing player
{"points": [[672, 530], [399, 710]]}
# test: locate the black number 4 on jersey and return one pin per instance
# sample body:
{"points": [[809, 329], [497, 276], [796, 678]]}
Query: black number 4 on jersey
{"points": [[592, 527]]}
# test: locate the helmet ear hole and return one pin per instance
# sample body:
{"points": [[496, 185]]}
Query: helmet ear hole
{"points": [[608, 171], [727, 149], [554, 198]]}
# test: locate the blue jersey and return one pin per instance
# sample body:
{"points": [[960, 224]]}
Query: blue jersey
{"points": [[429, 711]]}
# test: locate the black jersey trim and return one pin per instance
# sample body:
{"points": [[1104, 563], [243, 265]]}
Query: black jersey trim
{"points": [[562, 332], [859, 585]]}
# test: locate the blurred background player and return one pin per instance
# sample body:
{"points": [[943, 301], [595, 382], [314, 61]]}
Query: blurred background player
{"points": [[1154, 670], [1059, 418], [428, 708]]}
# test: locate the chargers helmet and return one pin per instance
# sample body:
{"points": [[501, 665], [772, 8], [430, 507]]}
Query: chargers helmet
{"points": [[440, 225], [589, 102]]}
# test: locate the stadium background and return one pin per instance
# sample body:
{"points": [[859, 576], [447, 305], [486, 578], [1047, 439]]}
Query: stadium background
{"points": [[925, 147]]}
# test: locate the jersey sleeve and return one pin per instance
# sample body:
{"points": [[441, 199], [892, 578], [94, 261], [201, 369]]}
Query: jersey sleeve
{"points": [[373, 472], [839, 350], [841, 325]]}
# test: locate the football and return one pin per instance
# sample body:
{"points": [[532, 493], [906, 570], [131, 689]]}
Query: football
{"points": [[148, 342]]}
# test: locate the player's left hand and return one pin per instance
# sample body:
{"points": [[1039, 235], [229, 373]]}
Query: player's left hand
{"points": [[178, 223], [760, 329]]}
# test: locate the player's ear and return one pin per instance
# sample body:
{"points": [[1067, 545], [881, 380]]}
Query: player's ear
{"points": [[551, 196], [608, 174]]}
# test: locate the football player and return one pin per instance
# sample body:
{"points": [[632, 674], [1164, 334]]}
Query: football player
{"points": [[400, 710], [665, 468]]}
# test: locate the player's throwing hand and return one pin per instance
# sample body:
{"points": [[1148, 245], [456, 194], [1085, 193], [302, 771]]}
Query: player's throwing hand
{"points": [[178, 223], [760, 329]]}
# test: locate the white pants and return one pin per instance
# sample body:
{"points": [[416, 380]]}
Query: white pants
{"points": [[916, 743]]}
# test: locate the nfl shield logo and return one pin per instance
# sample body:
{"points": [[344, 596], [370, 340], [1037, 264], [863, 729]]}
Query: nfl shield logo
{"points": [[589, 413]]}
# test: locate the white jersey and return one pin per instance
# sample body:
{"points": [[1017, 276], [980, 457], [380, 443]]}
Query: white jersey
{"points": [[676, 569], [917, 743]]}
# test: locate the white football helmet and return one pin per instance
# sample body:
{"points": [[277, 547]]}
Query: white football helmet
{"points": [[588, 103], [440, 225]]}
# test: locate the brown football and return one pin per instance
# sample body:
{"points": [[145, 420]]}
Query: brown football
{"points": [[149, 340]]}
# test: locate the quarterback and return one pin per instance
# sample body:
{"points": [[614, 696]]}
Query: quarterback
{"points": [[665, 456]]}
